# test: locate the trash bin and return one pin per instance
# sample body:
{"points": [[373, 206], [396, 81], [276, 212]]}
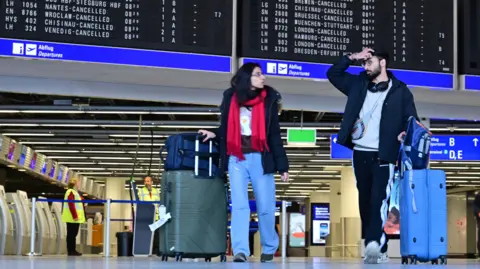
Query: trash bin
{"points": [[124, 244]]}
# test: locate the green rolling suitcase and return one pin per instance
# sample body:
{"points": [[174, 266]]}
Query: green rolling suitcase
{"points": [[198, 206]]}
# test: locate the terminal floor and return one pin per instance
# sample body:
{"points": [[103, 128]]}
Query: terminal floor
{"points": [[96, 262]]}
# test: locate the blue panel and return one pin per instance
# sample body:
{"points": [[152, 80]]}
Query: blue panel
{"points": [[338, 151], [442, 148], [319, 71], [109, 55], [472, 83]]}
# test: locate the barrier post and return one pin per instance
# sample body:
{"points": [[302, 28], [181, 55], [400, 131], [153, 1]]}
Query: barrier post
{"points": [[32, 230], [106, 243], [284, 230]]}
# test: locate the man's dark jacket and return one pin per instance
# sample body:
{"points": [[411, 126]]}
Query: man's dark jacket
{"points": [[397, 108], [274, 160]]}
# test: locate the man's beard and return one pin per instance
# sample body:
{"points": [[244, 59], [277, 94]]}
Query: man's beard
{"points": [[374, 73]]}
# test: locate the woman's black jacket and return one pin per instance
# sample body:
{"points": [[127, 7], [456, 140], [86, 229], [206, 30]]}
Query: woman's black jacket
{"points": [[273, 161]]}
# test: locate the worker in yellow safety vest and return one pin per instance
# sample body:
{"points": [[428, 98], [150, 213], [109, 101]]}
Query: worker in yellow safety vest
{"points": [[149, 193], [73, 214]]}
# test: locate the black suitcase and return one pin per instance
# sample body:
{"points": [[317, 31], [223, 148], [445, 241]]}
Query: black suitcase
{"points": [[198, 206]]}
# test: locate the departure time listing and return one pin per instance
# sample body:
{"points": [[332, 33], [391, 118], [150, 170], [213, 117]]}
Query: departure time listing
{"points": [[417, 34], [180, 25]]}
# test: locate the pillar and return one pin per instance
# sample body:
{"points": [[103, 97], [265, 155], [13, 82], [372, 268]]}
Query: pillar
{"points": [[345, 225], [350, 214], [336, 236], [114, 189]]}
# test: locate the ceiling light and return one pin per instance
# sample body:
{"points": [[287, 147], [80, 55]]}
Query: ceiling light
{"points": [[111, 158], [68, 125], [66, 157], [95, 173], [9, 111], [330, 161], [185, 113], [87, 168], [76, 163], [142, 144], [103, 151], [300, 146], [117, 112], [457, 181], [56, 151], [52, 111], [28, 134], [135, 136], [102, 163], [303, 188], [93, 143], [20, 124], [42, 143]]}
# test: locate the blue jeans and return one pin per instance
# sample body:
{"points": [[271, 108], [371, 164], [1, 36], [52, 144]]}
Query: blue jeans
{"points": [[241, 173]]}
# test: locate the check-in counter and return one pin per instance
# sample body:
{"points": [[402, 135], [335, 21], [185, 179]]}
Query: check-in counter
{"points": [[21, 222], [50, 238], [61, 228], [7, 241]]}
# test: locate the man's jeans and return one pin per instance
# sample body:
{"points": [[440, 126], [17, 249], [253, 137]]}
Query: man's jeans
{"points": [[241, 173]]}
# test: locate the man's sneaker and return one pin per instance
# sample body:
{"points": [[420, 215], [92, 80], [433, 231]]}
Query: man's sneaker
{"points": [[383, 258], [372, 253], [240, 257], [266, 258]]}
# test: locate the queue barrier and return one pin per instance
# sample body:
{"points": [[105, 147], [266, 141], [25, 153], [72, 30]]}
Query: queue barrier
{"points": [[106, 227]]}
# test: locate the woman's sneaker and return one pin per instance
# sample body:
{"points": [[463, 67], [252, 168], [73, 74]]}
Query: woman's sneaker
{"points": [[240, 257]]}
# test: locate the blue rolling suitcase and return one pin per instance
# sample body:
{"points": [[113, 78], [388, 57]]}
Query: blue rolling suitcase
{"points": [[423, 216]]}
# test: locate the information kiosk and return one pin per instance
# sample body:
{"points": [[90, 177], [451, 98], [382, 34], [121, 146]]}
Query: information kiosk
{"points": [[21, 223], [60, 228], [7, 243]]}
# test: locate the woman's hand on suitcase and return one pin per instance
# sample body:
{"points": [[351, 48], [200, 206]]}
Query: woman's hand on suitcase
{"points": [[284, 177], [208, 135]]}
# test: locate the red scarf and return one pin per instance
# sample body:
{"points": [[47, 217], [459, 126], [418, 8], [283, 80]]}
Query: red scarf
{"points": [[259, 133]]}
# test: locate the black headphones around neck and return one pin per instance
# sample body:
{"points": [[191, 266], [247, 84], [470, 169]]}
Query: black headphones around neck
{"points": [[378, 87]]}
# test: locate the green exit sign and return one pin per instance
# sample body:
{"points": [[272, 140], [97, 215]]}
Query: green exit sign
{"points": [[301, 136]]}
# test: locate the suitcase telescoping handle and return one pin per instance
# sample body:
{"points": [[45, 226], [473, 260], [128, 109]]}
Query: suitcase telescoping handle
{"points": [[197, 151]]}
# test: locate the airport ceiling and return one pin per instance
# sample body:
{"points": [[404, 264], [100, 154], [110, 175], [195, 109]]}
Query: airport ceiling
{"points": [[98, 138]]}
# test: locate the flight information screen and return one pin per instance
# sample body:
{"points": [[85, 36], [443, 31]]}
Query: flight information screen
{"points": [[196, 26], [417, 34]]}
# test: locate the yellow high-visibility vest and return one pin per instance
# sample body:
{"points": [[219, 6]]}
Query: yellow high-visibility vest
{"points": [[144, 195], [67, 215]]}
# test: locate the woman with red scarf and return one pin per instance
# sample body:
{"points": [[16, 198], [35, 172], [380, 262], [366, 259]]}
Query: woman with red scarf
{"points": [[251, 150]]}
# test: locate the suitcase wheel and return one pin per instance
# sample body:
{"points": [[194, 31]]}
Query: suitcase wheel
{"points": [[413, 259], [178, 257], [223, 258], [443, 260]]}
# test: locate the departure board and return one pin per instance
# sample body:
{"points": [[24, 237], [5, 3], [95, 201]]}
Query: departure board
{"points": [[196, 26], [418, 34]]}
